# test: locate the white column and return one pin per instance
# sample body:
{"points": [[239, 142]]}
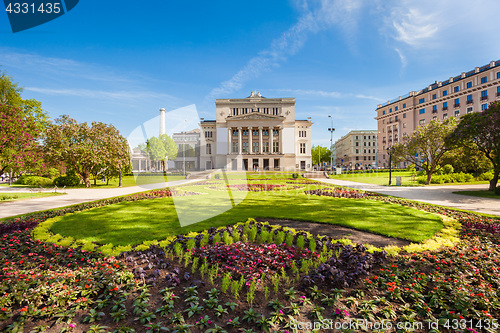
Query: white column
{"points": [[249, 141], [239, 140], [229, 137], [140, 164], [271, 135], [260, 140], [280, 140]]}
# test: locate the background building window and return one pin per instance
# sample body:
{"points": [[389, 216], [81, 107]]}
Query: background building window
{"points": [[265, 147], [235, 147], [484, 79], [421, 100], [421, 121], [484, 106], [302, 148], [456, 89], [276, 147], [469, 85], [445, 92], [209, 149], [421, 111]]}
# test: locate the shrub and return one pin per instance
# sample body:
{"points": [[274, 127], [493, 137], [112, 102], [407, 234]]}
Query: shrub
{"points": [[295, 175], [487, 176], [447, 169], [53, 173], [70, 179], [497, 190], [34, 180]]}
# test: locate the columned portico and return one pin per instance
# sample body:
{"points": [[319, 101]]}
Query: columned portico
{"points": [[260, 140], [280, 141], [239, 140]]}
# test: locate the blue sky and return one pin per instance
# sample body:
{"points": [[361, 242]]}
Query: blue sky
{"points": [[118, 62]]}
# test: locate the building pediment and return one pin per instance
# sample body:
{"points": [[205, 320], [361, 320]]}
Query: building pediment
{"points": [[255, 116]]}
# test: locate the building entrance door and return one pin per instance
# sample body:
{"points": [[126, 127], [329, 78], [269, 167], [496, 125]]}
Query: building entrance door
{"points": [[302, 165], [266, 164], [276, 163], [208, 165], [245, 164], [255, 164]]}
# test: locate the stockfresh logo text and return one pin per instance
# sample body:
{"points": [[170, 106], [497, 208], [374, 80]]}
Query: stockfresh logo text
{"points": [[28, 14]]}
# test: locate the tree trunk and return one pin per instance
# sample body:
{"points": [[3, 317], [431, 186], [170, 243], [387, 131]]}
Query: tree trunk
{"points": [[429, 177], [494, 180], [95, 180]]}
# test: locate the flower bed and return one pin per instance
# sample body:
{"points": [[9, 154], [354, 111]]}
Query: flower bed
{"points": [[255, 187], [337, 192], [250, 261]]}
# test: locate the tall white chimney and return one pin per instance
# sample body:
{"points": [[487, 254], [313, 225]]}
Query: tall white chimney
{"points": [[162, 121]]}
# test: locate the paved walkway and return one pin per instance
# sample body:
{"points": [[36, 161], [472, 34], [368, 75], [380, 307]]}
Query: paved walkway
{"points": [[73, 196], [439, 195]]}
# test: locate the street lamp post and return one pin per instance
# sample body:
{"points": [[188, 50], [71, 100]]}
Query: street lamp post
{"points": [[331, 129], [390, 165]]}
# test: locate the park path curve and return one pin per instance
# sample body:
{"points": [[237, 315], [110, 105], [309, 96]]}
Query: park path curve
{"points": [[74, 196], [438, 195]]}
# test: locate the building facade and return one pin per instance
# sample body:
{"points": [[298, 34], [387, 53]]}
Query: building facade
{"points": [[256, 133], [357, 150], [470, 91], [188, 150]]}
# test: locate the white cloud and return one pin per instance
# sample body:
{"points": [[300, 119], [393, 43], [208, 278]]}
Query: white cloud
{"points": [[414, 27], [326, 94], [402, 57], [316, 15], [99, 94]]}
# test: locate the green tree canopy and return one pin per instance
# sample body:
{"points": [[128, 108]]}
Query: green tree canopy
{"points": [[161, 147], [482, 130], [320, 154], [89, 150], [428, 142], [22, 123]]}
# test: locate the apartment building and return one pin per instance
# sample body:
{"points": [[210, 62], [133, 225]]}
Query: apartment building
{"points": [[357, 150], [470, 91]]}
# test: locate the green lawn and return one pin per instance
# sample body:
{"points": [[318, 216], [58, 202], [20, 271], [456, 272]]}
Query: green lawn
{"points": [[135, 222], [378, 178], [126, 181], [482, 194], [22, 196], [136, 180]]}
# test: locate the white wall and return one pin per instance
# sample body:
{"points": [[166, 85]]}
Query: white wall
{"points": [[221, 141], [289, 140]]}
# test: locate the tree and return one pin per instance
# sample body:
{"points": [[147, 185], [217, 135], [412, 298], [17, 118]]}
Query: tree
{"points": [[22, 123], [159, 148], [18, 147], [428, 142], [10, 93], [482, 130], [325, 155], [87, 150]]}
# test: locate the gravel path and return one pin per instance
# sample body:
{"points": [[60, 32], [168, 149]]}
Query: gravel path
{"points": [[338, 232]]}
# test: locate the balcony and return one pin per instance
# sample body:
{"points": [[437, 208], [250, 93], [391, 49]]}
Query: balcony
{"points": [[434, 111], [395, 130], [457, 105], [470, 101], [483, 98], [445, 108], [498, 93]]}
